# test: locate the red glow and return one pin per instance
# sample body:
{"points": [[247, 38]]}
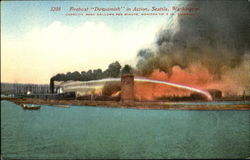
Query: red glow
{"points": [[195, 76]]}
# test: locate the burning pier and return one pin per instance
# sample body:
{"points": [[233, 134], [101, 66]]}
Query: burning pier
{"points": [[122, 88]]}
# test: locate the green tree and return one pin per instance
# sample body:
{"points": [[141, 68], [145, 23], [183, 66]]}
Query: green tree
{"points": [[76, 76], [113, 70], [127, 69], [97, 73]]}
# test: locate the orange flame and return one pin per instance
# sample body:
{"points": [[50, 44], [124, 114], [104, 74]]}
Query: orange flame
{"points": [[195, 76]]}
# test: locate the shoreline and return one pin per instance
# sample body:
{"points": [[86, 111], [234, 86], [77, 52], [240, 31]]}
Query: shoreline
{"points": [[132, 105]]}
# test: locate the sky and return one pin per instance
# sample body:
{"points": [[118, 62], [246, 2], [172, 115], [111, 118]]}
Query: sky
{"points": [[37, 43]]}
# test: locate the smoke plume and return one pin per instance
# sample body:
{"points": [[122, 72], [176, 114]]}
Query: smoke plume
{"points": [[215, 43]]}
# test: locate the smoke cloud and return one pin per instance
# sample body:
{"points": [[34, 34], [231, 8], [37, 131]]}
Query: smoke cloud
{"points": [[217, 39]]}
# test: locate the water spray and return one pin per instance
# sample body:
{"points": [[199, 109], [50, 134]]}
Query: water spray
{"points": [[205, 93]]}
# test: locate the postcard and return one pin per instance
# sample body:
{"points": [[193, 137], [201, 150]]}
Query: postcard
{"points": [[109, 79]]}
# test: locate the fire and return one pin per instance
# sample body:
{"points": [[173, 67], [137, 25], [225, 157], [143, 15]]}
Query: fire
{"points": [[195, 76], [151, 91], [192, 77]]}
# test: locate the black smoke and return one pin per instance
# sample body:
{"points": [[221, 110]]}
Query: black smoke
{"points": [[217, 37], [114, 70]]}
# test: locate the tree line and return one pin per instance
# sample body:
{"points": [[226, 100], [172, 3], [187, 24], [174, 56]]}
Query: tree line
{"points": [[114, 70]]}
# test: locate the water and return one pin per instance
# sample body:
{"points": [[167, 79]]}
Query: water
{"points": [[98, 132]]}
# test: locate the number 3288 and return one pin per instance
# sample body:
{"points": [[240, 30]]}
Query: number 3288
{"points": [[55, 9]]}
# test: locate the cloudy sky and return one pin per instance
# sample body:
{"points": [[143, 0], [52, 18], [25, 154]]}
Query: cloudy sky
{"points": [[37, 43]]}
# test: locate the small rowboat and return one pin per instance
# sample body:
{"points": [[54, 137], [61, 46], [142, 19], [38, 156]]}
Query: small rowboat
{"points": [[32, 107]]}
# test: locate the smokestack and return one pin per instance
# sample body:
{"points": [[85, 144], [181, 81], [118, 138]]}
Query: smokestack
{"points": [[52, 85]]}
